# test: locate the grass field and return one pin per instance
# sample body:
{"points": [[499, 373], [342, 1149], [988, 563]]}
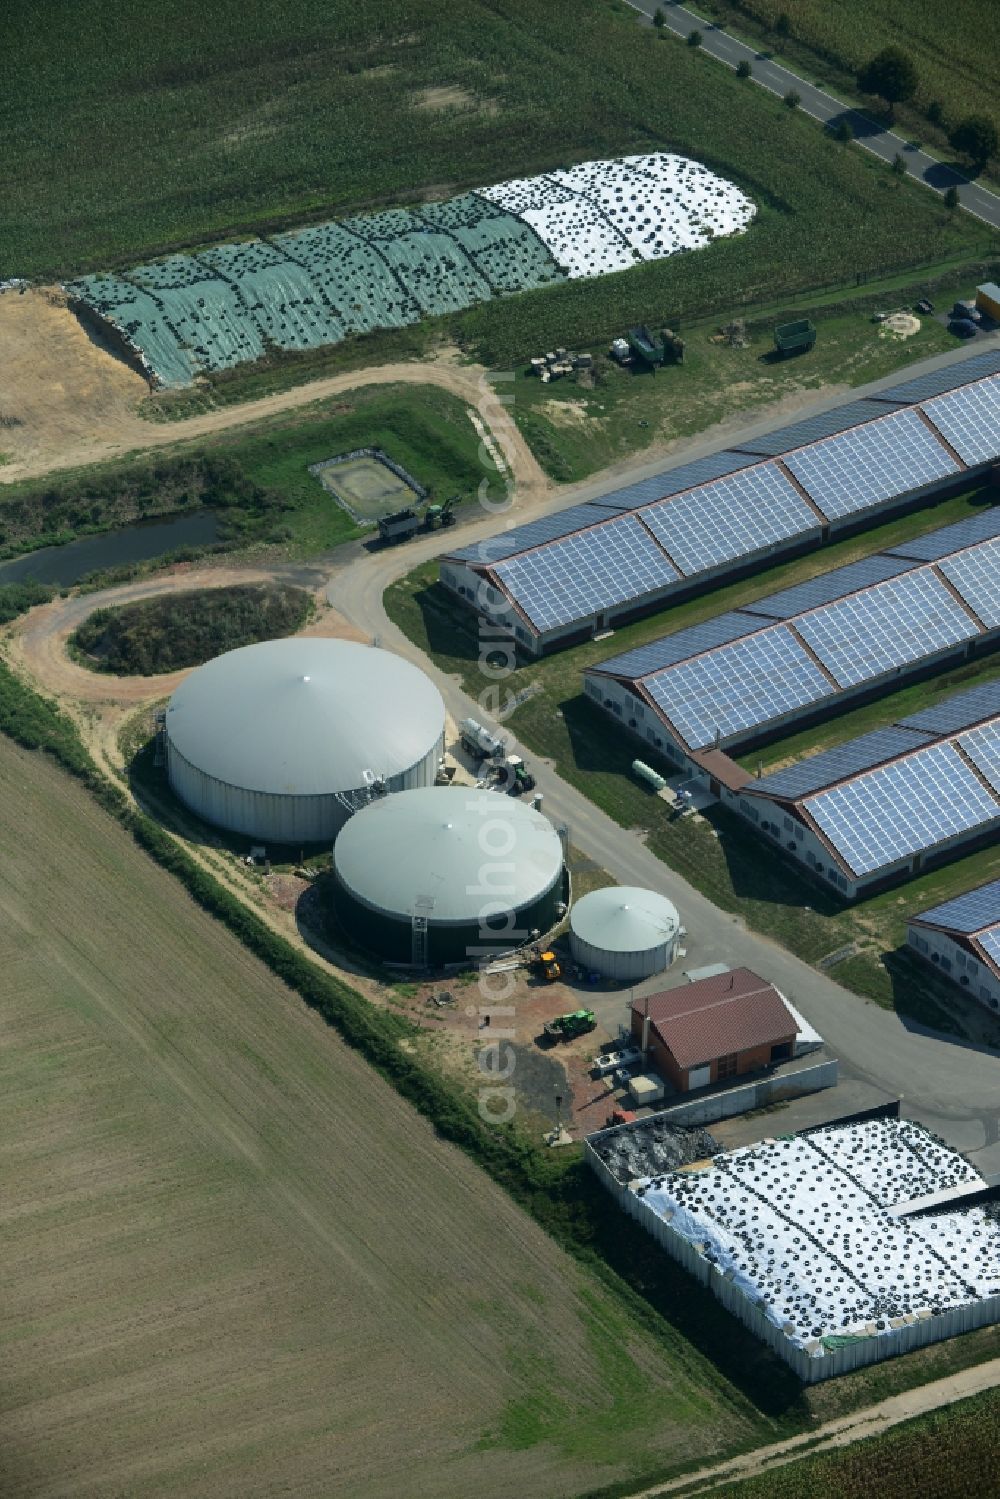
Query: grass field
{"points": [[576, 430], [944, 1455], [734, 869], [833, 41], [173, 128], [236, 1263]]}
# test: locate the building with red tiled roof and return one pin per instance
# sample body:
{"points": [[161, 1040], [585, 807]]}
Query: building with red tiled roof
{"points": [[717, 1028]]}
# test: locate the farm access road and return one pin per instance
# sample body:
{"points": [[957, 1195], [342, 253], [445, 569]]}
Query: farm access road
{"points": [[842, 1432], [935, 174], [69, 402]]}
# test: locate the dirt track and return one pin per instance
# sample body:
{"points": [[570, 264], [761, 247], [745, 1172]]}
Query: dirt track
{"points": [[39, 645], [869, 1422], [71, 402]]}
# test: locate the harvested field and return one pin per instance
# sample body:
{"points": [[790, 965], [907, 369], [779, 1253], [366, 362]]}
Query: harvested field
{"points": [[236, 1263]]}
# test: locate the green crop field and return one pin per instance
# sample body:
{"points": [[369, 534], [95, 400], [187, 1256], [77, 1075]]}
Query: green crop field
{"points": [[955, 62], [178, 125], [721, 856], [943, 1455]]}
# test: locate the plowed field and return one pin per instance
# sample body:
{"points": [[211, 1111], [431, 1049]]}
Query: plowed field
{"points": [[235, 1262]]}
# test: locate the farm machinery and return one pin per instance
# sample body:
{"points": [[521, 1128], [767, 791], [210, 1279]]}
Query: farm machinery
{"points": [[640, 346], [567, 1027], [502, 772], [402, 524], [547, 965]]}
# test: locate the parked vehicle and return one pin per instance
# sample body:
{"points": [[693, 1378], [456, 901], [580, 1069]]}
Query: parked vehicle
{"points": [[566, 1027]]}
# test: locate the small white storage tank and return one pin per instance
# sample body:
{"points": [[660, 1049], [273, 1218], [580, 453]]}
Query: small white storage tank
{"points": [[280, 740], [624, 932]]}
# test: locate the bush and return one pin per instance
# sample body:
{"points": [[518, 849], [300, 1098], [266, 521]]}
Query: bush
{"points": [[899, 164], [975, 138], [842, 130], [694, 39], [743, 69], [951, 198], [792, 99], [935, 112], [17, 598], [659, 17], [185, 629]]}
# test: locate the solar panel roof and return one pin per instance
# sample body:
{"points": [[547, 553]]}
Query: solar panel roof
{"points": [[534, 533], [827, 587], [990, 944], [833, 765], [680, 646], [812, 428], [976, 575], [902, 808], [674, 480], [732, 517], [580, 574], [970, 420], [885, 626], [983, 748], [936, 382], [739, 685], [958, 712], [935, 544], [868, 464], [969, 912]]}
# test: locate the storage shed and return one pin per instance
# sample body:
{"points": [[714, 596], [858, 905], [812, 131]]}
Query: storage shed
{"points": [[715, 1029]]}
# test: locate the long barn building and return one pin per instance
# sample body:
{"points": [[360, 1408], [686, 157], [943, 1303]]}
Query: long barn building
{"points": [[890, 804], [784, 661], [567, 576], [962, 939]]}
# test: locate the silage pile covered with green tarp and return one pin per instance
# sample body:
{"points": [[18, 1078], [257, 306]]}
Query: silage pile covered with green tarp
{"points": [[230, 304], [217, 308]]}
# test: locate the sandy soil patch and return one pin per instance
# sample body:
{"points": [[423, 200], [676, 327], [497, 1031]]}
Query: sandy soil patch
{"points": [[570, 413], [450, 96], [64, 391], [899, 325]]}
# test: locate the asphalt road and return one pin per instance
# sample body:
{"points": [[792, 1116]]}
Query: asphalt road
{"points": [[825, 108], [951, 1086]]}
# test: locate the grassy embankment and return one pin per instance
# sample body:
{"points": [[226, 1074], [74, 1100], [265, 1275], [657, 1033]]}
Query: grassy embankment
{"points": [[259, 482], [720, 856]]}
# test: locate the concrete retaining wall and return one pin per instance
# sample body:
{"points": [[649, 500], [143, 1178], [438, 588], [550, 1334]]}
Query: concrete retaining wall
{"points": [[754, 1095]]}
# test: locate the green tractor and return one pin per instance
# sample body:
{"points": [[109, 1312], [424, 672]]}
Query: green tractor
{"points": [[567, 1027], [438, 516]]}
